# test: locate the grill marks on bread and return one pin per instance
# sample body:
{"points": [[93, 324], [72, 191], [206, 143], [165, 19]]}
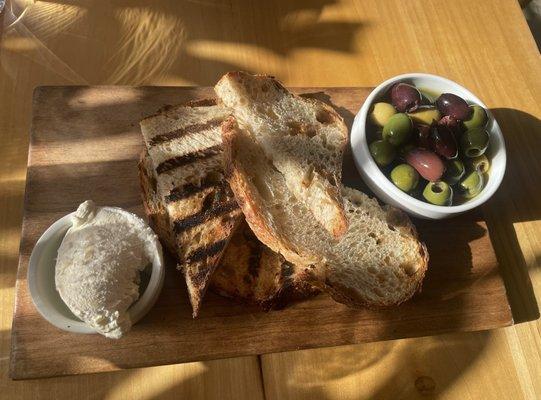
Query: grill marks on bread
{"points": [[202, 253], [189, 129], [184, 144], [191, 189], [189, 158], [215, 210]]}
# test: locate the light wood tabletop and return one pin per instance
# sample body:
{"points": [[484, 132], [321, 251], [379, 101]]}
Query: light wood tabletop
{"points": [[484, 45]]}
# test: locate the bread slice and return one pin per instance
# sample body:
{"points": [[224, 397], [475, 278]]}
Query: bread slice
{"points": [[252, 273], [249, 272], [379, 261], [304, 138], [155, 210], [185, 163]]}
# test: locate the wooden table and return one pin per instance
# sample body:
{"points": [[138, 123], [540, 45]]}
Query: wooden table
{"points": [[484, 45]]}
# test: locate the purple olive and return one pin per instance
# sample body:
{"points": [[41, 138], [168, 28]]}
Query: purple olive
{"points": [[405, 98], [422, 133], [453, 106], [448, 121], [426, 163], [453, 124], [442, 141]]}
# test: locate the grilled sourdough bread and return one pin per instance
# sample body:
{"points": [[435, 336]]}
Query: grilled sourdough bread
{"points": [[252, 273], [304, 138], [185, 163], [249, 272], [379, 261]]}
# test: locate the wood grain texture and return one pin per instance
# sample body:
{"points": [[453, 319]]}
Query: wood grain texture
{"points": [[85, 143], [306, 42]]}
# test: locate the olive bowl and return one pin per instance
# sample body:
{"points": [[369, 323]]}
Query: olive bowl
{"points": [[384, 189]]}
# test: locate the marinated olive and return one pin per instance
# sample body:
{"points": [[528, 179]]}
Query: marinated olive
{"points": [[480, 163], [425, 115], [422, 133], [454, 171], [381, 112], [478, 118], [448, 121], [397, 130], [442, 141], [452, 124], [438, 193], [474, 142], [430, 144], [405, 177], [427, 163], [383, 152], [472, 184], [454, 106], [405, 98]]}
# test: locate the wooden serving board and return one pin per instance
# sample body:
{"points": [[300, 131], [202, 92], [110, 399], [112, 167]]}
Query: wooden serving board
{"points": [[85, 144]]}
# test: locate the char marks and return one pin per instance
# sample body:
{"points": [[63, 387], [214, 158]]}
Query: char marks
{"points": [[204, 252], [204, 215], [256, 251], [189, 129], [183, 192], [286, 270], [189, 158]]}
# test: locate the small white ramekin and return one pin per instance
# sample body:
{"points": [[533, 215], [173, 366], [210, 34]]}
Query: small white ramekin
{"points": [[41, 281], [385, 189]]}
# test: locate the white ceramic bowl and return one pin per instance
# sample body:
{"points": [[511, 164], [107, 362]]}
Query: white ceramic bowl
{"points": [[385, 189], [41, 282]]}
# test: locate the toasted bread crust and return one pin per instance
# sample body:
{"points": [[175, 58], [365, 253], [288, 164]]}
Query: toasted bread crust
{"points": [[327, 176], [156, 213], [319, 272], [249, 201], [256, 277], [167, 109], [251, 273], [198, 224], [333, 114]]}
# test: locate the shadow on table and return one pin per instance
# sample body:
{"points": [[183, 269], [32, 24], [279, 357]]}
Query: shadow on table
{"points": [[202, 380], [516, 202], [138, 41], [382, 370]]}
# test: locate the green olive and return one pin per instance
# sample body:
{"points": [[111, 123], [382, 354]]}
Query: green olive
{"points": [[381, 112], [454, 171], [472, 184], [397, 130], [383, 152], [478, 118], [480, 163], [405, 177], [425, 115], [474, 142], [438, 193]]}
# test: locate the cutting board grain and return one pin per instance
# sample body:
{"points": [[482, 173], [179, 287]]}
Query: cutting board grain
{"points": [[85, 143]]}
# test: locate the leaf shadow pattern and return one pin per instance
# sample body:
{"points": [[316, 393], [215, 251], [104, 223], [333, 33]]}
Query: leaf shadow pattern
{"points": [[144, 43], [409, 368]]}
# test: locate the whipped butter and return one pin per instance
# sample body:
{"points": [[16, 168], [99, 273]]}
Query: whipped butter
{"points": [[99, 263]]}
